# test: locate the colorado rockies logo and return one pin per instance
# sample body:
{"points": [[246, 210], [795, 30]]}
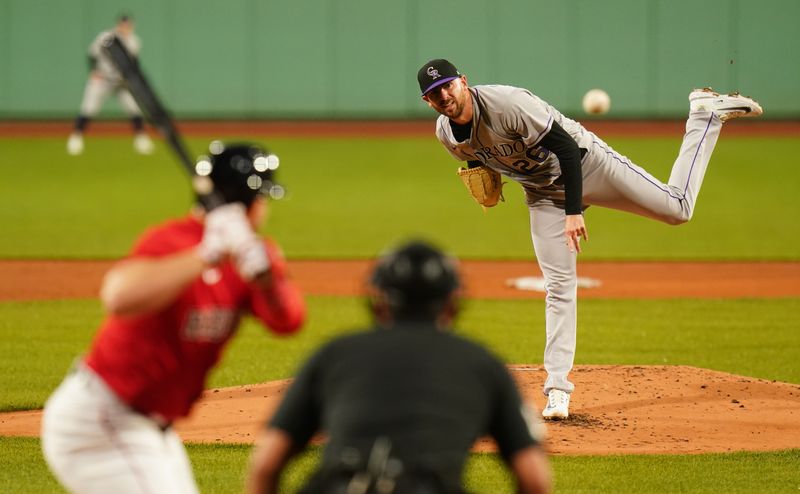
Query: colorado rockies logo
{"points": [[433, 73]]}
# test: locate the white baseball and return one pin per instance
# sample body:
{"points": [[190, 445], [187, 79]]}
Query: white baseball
{"points": [[596, 102]]}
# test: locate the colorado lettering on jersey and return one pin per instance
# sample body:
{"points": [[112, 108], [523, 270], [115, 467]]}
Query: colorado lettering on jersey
{"points": [[209, 324], [499, 150], [522, 159]]}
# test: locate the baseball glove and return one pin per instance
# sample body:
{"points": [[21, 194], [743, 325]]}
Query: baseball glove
{"points": [[484, 184]]}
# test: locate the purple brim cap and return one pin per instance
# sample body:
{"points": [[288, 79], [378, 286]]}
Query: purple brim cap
{"points": [[439, 83]]}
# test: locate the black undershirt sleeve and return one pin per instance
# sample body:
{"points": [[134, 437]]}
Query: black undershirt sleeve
{"points": [[569, 155]]}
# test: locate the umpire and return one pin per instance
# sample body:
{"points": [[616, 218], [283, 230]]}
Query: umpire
{"points": [[402, 405]]}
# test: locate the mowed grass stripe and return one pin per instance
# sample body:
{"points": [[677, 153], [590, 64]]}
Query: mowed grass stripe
{"points": [[353, 197]]}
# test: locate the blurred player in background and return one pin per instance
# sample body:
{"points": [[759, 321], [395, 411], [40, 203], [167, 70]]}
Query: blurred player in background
{"points": [[104, 79], [505, 131], [402, 404], [172, 306]]}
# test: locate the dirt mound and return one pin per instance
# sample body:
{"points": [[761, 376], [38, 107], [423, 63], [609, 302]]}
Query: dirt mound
{"points": [[614, 410], [669, 409]]}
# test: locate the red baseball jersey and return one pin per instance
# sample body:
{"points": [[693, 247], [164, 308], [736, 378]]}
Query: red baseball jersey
{"points": [[158, 362]]}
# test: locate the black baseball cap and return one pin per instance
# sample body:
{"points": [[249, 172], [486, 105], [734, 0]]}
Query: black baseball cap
{"points": [[435, 73]]}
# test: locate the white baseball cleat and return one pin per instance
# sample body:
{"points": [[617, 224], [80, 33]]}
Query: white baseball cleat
{"points": [[557, 405], [724, 106], [75, 144], [142, 143]]}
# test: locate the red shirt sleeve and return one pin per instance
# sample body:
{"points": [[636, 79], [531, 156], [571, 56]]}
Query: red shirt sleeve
{"points": [[168, 238], [281, 306]]}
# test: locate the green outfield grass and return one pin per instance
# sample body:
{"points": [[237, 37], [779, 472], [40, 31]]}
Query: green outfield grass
{"points": [[220, 469], [41, 339], [352, 197]]}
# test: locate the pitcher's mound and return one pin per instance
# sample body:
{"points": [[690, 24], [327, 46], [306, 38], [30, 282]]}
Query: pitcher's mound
{"points": [[615, 410], [668, 409]]}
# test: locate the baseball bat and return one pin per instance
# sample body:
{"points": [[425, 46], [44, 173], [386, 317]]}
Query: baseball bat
{"points": [[158, 116]]}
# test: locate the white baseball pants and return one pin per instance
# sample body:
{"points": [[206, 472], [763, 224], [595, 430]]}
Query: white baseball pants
{"points": [[95, 444]]}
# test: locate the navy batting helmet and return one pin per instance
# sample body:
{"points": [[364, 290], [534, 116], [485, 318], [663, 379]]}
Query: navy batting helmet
{"points": [[241, 171], [416, 279]]}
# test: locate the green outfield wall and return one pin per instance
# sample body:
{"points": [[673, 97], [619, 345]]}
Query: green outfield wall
{"points": [[358, 58]]}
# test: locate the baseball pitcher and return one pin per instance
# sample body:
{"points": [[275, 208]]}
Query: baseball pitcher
{"points": [[504, 131]]}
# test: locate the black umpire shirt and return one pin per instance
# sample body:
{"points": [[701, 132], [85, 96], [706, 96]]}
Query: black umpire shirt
{"points": [[432, 393]]}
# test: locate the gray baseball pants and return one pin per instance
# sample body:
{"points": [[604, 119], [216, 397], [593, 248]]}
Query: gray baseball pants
{"points": [[98, 90], [609, 180]]}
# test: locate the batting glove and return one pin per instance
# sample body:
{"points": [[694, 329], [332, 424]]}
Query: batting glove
{"points": [[225, 229], [251, 259]]}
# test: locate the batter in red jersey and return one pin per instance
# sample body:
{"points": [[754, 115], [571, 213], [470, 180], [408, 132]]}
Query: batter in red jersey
{"points": [[172, 306]]}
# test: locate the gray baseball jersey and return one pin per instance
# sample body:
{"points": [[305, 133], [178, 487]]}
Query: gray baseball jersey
{"points": [[98, 89], [105, 67], [507, 126]]}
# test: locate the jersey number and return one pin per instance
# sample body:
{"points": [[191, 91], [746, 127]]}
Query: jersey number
{"points": [[537, 155]]}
